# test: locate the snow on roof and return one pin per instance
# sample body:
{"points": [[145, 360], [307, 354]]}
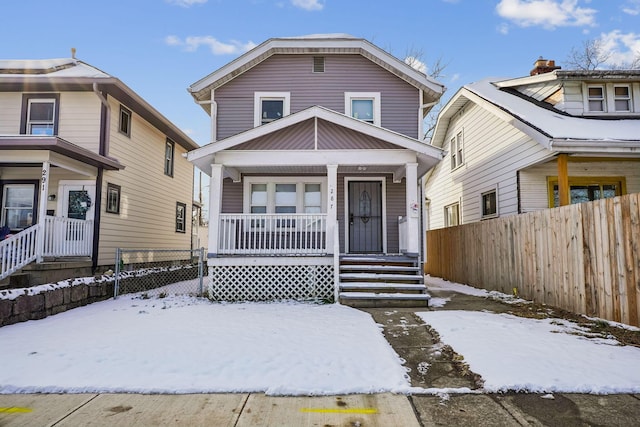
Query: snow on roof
{"points": [[48, 68], [555, 124], [323, 36]]}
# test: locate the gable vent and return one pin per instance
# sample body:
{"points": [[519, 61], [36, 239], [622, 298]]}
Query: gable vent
{"points": [[318, 64]]}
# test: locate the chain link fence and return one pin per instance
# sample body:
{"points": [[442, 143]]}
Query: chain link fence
{"points": [[159, 272]]}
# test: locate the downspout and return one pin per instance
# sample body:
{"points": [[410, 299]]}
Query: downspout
{"points": [[214, 116], [105, 124]]}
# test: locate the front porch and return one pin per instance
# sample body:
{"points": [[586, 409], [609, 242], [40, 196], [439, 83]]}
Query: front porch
{"points": [[43, 252]]}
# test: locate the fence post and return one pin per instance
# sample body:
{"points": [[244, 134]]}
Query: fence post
{"points": [[117, 267], [200, 268]]}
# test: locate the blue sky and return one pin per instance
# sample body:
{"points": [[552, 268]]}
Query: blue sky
{"points": [[160, 47]]}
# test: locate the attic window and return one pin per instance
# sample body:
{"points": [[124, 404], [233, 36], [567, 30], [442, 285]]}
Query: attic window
{"points": [[318, 64]]}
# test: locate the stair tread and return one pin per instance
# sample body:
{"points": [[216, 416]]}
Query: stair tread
{"points": [[382, 285], [390, 296], [378, 267], [380, 276]]}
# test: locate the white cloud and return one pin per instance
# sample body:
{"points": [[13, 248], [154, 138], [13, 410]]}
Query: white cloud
{"points": [[622, 49], [192, 43], [546, 13], [308, 4], [416, 64], [632, 7], [455, 77], [186, 3], [503, 29]]}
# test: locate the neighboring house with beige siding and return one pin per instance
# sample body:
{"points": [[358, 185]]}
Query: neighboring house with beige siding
{"points": [[315, 157], [86, 166], [549, 139]]}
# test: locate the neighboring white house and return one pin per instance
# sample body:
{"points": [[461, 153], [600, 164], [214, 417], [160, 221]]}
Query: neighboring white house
{"points": [[316, 151], [549, 139]]}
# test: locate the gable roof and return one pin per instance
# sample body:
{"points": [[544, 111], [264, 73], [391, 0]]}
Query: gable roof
{"points": [[61, 74], [204, 156], [317, 44], [554, 129]]}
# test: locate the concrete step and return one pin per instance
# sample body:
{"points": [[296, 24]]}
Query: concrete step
{"points": [[381, 287], [379, 268], [380, 277], [371, 299]]}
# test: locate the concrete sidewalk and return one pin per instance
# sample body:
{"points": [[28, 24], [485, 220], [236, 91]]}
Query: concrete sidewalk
{"points": [[249, 409]]}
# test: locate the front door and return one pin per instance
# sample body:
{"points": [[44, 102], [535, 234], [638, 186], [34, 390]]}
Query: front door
{"points": [[77, 200], [365, 216]]}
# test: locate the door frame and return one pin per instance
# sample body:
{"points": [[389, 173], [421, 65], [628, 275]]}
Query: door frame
{"points": [[383, 181]]}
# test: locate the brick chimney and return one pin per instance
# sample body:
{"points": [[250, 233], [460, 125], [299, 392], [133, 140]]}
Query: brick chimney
{"points": [[542, 66]]}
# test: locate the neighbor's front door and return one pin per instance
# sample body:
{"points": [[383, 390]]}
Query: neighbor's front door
{"points": [[365, 216], [78, 200]]}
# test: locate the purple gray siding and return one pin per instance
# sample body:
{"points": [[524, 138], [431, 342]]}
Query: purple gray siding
{"points": [[293, 73], [301, 137]]}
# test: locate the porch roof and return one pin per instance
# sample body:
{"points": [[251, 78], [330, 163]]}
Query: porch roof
{"points": [[424, 154], [60, 146]]}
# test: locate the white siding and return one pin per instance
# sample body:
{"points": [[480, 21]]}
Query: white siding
{"points": [[573, 99], [80, 119], [540, 91], [148, 196], [10, 106], [493, 153]]}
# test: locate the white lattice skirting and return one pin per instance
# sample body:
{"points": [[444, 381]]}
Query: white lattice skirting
{"points": [[271, 282]]}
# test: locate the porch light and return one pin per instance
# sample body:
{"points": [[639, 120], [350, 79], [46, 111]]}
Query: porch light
{"points": [[362, 168], [51, 197]]}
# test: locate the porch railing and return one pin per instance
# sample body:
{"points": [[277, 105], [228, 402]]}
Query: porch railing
{"points": [[18, 251], [272, 234], [67, 237]]}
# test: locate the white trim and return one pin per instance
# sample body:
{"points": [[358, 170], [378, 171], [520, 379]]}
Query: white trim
{"points": [[258, 97], [300, 181], [586, 98], [382, 180], [446, 214], [373, 96]]}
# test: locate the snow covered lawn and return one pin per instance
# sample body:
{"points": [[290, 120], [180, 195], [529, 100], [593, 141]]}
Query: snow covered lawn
{"points": [[181, 344], [548, 355]]}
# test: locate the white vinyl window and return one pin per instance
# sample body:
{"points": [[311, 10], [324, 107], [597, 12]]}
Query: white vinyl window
{"points": [[452, 215], [456, 151], [18, 206], [595, 98], [489, 200], [363, 106], [622, 98], [270, 106], [285, 195], [41, 115]]}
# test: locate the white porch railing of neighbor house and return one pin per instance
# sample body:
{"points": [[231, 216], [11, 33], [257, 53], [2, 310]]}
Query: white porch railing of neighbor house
{"points": [[272, 234], [17, 251], [67, 237]]}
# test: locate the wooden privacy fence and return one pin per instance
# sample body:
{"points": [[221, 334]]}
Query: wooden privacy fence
{"points": [[584, 258]]}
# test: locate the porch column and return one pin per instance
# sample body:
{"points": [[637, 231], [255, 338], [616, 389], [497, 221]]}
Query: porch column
{"points": [[215, 207], [413, 220], [332, 206], [563, 179], [42, 208]]}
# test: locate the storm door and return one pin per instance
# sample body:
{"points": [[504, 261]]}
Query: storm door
{"points": [[365, 216]]}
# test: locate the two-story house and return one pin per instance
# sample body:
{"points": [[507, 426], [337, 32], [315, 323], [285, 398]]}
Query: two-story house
{"points": [[86, 166], [316, 152], [549, 139]]}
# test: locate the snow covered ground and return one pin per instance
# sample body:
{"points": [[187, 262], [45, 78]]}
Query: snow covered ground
{"points": [[181, 344]]}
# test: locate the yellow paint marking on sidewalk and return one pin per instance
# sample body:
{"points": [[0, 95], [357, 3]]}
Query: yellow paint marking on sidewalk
{"points": [[341, 411], [15, 410]]}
